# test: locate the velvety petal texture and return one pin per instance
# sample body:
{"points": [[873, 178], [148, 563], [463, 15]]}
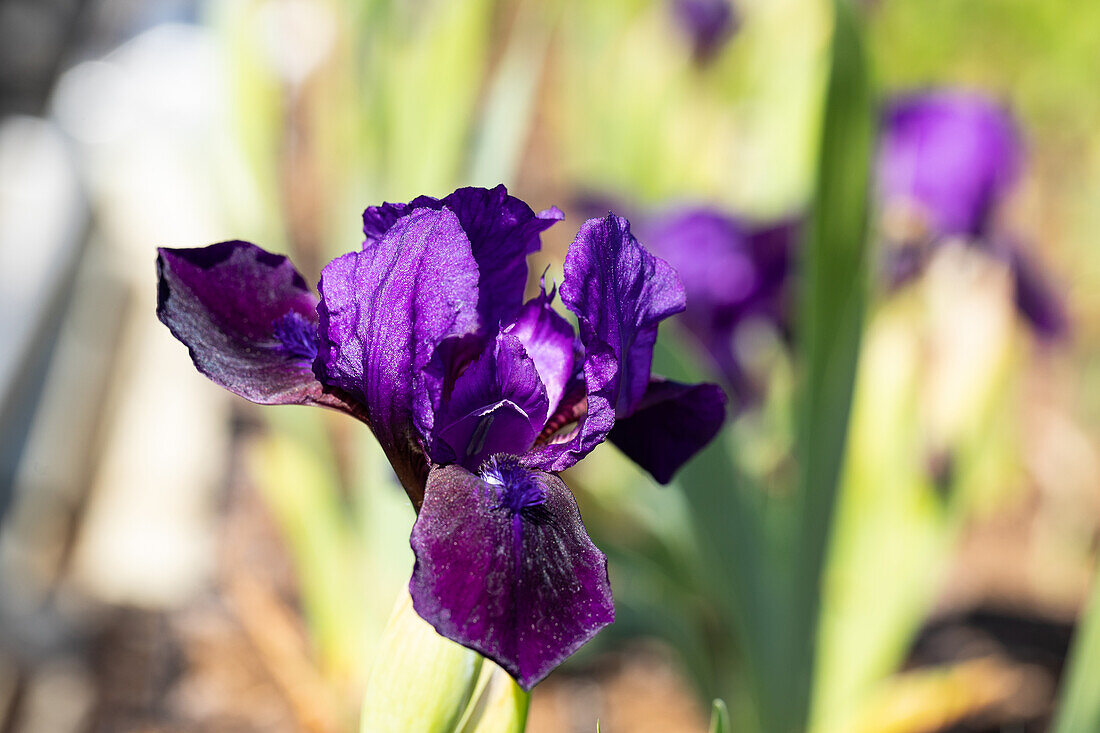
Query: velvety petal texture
{"points": [[383, 313], [948, 157], [247, 317], [502, 231], [549, 340], [474, 395], [673, 423], [505, 567], [619, 293], [498, 405]]}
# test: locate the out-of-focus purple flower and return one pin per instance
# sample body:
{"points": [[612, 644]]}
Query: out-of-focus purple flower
{"points": [[709, 24], [947, 159], [476, 397], [732, 271]]}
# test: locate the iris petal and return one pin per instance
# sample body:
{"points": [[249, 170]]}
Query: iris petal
{"points": [[549, 340], [1038, 300], [619, 292], [502, 231], [505, 567], [951, 155], [671, 424], [383, 313], [247, 317], [498, 405]]}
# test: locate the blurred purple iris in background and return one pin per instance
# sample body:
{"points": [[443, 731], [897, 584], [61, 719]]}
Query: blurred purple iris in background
{"points": [[477, 398], [733, 271], [947, 160], [709, 24]]}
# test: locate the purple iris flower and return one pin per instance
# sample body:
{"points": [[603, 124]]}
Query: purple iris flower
{"points": [[947, 160], [710, 24], [732, 270], [477, 398]]}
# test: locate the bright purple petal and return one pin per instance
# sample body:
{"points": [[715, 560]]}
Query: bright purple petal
{"points": [[949, 157], [383, 313], [498, 405], [673, 422], [549, 340], [502, 231], [505, 567], [247, 317], [619, 292]]}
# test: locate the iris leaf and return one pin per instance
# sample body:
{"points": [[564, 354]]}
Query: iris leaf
{"points": [[1079, 705], [830, 321]]}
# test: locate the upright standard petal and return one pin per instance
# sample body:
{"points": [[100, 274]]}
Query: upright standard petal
{"points": [[619, 292], [948, 157], [498, 405], [383, 313], [502, 231], [247, 317], [671, 424], [549, 340], [505, 567]]}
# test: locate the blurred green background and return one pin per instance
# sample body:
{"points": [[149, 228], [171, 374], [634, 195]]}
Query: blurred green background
{"points": [[173, 559]]}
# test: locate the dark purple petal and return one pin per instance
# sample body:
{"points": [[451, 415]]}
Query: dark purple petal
{"points": [[383, 313], [502, 231], [549, 340], [708, 23], [247, 317], [673, 422], [1038, 301], [948, 157], [505, 567], [732, 270], [498, 405], [619, 292]]}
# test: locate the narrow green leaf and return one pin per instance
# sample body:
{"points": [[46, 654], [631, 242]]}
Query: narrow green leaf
{"points": [[1079, 704], [829, 327], [720, 718]]}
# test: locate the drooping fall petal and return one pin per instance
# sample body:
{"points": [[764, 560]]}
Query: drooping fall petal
{"points": [[505, 567], [673, 423], [247, 317]]}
